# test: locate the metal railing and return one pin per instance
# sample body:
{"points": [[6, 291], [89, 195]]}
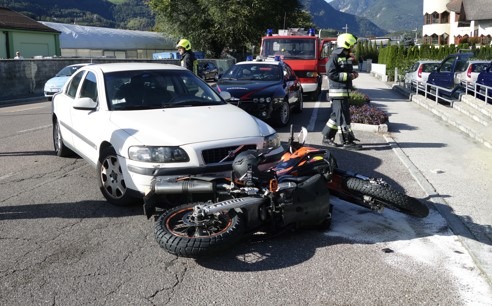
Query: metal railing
{"points": [[479, 90], [430, 90]]}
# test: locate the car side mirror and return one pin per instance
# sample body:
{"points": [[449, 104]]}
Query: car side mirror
{"points": [[84, 103], [225, 95]]}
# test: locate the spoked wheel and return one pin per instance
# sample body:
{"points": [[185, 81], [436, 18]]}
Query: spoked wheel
{"points": [[181, 233], [300, 105], [111, 181], [387, 197], [60, 148], [281, 116]]}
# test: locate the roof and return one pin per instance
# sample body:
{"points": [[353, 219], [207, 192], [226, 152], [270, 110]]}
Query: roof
{"points": [[12, 20], [477, 9], [86, 37], [454, 5], [472, 9]]}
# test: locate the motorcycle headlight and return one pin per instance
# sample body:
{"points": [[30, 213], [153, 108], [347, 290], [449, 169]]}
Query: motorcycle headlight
{"points": [[272, 141], [158, 154]]}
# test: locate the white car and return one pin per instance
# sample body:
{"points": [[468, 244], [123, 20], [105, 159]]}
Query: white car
{"points": [[55, 84], [419, 73], [135, 122], [470, 72]]}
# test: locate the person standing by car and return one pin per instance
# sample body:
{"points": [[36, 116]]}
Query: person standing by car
{"points": [[188, 58], [340, 72]]}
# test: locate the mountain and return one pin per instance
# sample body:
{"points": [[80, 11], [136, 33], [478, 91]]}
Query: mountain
{"points": [[326, 17], [136, 15], [390, 15], [127, 14]]}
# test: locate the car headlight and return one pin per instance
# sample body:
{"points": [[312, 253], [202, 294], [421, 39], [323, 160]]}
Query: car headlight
{"points": [[271, 141], [262, 100], [158, 154], [311, 74]]}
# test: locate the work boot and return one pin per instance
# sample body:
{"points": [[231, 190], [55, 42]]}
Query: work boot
{"points": [[329, 136], [350, 145], [330, 142]]}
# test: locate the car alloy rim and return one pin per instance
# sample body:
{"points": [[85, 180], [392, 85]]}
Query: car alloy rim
{"points": [[112, 177], [284, 112], [58, 138]]}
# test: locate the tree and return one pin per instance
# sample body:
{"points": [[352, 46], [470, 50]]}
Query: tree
{"points": [[212, 25]]}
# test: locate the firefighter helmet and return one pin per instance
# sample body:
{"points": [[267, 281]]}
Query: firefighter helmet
{"points": [[346, 40], [184, 43]]}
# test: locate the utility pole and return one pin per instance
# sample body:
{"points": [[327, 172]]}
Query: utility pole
{"points": [[345, 28]]}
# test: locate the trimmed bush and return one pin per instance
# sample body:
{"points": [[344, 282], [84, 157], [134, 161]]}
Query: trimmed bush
{"points": [[367, 114]]}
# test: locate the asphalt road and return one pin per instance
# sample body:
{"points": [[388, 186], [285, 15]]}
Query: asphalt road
{"points": [[62, 244]]}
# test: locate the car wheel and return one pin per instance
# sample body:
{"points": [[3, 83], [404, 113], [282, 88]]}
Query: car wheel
{"points": [[60, 148], [282, 114], [300, 103], [111, 181]]}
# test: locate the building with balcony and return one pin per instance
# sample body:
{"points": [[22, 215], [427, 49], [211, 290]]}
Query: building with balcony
{"points": [[453, 21]]}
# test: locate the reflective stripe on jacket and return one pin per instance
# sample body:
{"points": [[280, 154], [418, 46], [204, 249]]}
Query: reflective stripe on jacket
{"points": [[339, 70]]}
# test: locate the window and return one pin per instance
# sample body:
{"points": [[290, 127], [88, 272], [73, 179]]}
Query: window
{"points": [[74, 84], [427, 19], [445, 17], [447, 65], [435, 17], [89, 87]]}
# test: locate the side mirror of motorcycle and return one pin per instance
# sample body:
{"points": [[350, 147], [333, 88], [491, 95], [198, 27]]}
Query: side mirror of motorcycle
{"points": [[302, 135]]}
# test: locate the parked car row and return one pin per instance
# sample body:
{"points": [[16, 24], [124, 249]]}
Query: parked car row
{"points": [[452, 75]]}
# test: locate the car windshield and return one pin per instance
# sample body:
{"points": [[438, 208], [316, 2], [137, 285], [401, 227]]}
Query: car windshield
{"points": [[150, 89], [67, 71], [256, 72], [289, 48]]}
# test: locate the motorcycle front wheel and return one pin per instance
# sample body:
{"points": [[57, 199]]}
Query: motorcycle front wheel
{"points": [[179, 233], [388, 197]]}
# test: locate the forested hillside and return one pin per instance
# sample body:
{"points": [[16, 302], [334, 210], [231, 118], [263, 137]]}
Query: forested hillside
{"points": [[391, 15], [136, 15], [128, 14]]}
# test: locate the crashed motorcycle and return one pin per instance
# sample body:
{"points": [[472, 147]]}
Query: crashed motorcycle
{"points": [[295, 193]]}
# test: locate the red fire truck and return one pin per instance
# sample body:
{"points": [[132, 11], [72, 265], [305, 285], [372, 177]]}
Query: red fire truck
{"points": [[304, 51]]}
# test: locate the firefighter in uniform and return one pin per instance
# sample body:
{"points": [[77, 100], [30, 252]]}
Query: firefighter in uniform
{"points": [[340, 73], [188, 58]]}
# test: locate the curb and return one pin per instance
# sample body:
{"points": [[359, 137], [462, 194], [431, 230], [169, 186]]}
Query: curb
{"points": [[380, 128]]}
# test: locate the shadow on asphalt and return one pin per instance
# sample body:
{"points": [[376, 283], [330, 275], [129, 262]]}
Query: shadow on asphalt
{"points": [[77, 210]]}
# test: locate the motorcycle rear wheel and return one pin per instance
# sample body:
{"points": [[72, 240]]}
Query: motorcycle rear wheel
{"points": [[178, 233], [388, 197]]}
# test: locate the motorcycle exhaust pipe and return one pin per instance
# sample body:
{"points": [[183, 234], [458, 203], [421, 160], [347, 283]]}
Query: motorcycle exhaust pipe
{"points": [[183, 187]]}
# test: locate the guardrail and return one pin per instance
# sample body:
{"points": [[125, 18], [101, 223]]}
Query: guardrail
{"points": [[431, 90], [483, 91]]}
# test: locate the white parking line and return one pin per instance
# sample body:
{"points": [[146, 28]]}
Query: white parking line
{"points": [[20, 109], [34, 129], [6, 176], [314, 115]]}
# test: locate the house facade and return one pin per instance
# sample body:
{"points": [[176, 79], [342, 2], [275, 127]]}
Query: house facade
{"points": [[449, 22]]}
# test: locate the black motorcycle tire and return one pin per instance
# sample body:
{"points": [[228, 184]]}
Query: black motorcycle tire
{"points": [[388, 197], [178, 234]]}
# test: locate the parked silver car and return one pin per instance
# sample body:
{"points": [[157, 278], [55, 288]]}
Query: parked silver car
{"points": [[471, 71], [419, 72]]}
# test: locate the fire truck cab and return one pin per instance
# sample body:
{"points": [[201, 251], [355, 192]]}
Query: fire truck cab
{"points": [[304, 51]]}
